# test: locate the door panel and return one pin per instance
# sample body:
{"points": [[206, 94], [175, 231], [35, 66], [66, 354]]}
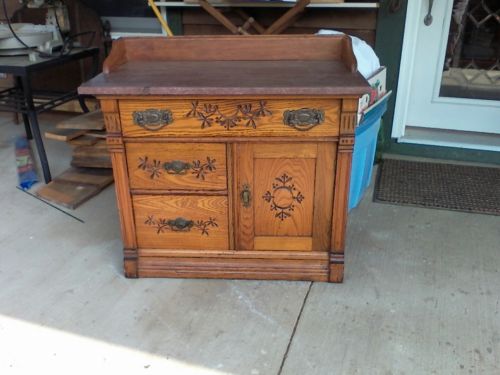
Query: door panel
{"points": [[289, 205], [284, 193], [450, 81]]}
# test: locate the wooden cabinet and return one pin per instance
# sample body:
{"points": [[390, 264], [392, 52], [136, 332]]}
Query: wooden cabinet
{"points": [[229, 169]]}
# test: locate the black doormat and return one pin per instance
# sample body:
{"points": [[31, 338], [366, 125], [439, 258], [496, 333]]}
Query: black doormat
{"points": [[445, 186]]}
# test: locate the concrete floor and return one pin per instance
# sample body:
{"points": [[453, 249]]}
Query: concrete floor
{"points": [[421, 296]]}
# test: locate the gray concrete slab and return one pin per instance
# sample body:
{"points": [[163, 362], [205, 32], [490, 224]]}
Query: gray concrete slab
{"points": [[421, 296]]}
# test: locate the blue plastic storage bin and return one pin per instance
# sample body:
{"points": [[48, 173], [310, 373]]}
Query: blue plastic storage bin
{"points": [[364, 152]]}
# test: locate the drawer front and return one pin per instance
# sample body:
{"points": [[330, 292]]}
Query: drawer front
{"points": [[177, 166], [254, 117], [181, 222]]}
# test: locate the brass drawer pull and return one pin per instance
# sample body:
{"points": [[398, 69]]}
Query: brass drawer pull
{"points": [[180, 224], [153, 119], [303, 119], [246, 195], [198, 168], [177, 167]]}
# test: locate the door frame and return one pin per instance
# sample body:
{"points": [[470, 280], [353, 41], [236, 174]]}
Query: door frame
{"points": [[406, 68]]}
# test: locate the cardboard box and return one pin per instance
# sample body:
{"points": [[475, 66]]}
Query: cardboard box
{"points": [[378, 89]]}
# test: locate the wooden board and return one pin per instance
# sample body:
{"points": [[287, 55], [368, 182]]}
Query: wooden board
{"points": [[95, 156], [83, 140], [99, 149], [97, 134], [67, 194], [64, 134], [87, 121], [91, 162], [98, 177]]}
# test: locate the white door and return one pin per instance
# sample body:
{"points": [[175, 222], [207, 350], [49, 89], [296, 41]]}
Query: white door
{"points": [[450, 74]]}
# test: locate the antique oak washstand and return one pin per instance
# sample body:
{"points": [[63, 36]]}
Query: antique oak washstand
{"points": [[231, 154]]}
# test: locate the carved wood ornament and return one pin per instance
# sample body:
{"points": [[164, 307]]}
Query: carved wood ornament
{"points": [[244, 114], [283, 197]]}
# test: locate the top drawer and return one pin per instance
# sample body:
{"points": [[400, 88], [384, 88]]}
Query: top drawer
{"points": [[242, 117]]}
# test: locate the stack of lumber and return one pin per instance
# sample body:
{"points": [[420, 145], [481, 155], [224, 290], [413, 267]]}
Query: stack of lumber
{"points": [[90, 170]]}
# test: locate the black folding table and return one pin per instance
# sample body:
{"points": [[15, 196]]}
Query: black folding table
{"points": [[22, 99]]}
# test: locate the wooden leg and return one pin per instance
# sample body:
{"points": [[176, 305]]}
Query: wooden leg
{"points": [[130, 266], [336, 268]]}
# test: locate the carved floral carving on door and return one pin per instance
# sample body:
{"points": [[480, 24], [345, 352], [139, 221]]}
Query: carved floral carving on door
{"points": [[283, 197]]}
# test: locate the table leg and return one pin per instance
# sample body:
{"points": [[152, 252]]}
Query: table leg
{"points": [[27, 127], [33, 119]]}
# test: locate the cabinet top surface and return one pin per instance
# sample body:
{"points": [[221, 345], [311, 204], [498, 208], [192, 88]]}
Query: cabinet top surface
{"points": [[228, 78], [230, 65]]}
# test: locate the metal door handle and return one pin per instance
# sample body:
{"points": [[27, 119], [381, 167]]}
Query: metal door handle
{"points": [[428, 16], [246, 195]]}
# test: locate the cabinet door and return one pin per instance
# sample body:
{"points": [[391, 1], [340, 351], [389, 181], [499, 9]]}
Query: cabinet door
{"points": [[284, 194]]}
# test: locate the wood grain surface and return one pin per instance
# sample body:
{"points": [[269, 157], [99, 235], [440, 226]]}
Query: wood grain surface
{"points": [[226, 48], [87, 121], [152, 213], [234, 268], [181, 78], [323, 196], [249, 254], [244, 215], [187, 123], [282, 243], [203, 166]]}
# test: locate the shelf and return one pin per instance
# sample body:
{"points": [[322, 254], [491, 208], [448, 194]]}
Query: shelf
{"points": [[259, 4]]}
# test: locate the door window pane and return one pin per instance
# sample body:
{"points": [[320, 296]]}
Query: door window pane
{"points": [[472, 64]]}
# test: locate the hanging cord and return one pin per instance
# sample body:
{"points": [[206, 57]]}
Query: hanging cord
{"points": [[34, 49]]}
